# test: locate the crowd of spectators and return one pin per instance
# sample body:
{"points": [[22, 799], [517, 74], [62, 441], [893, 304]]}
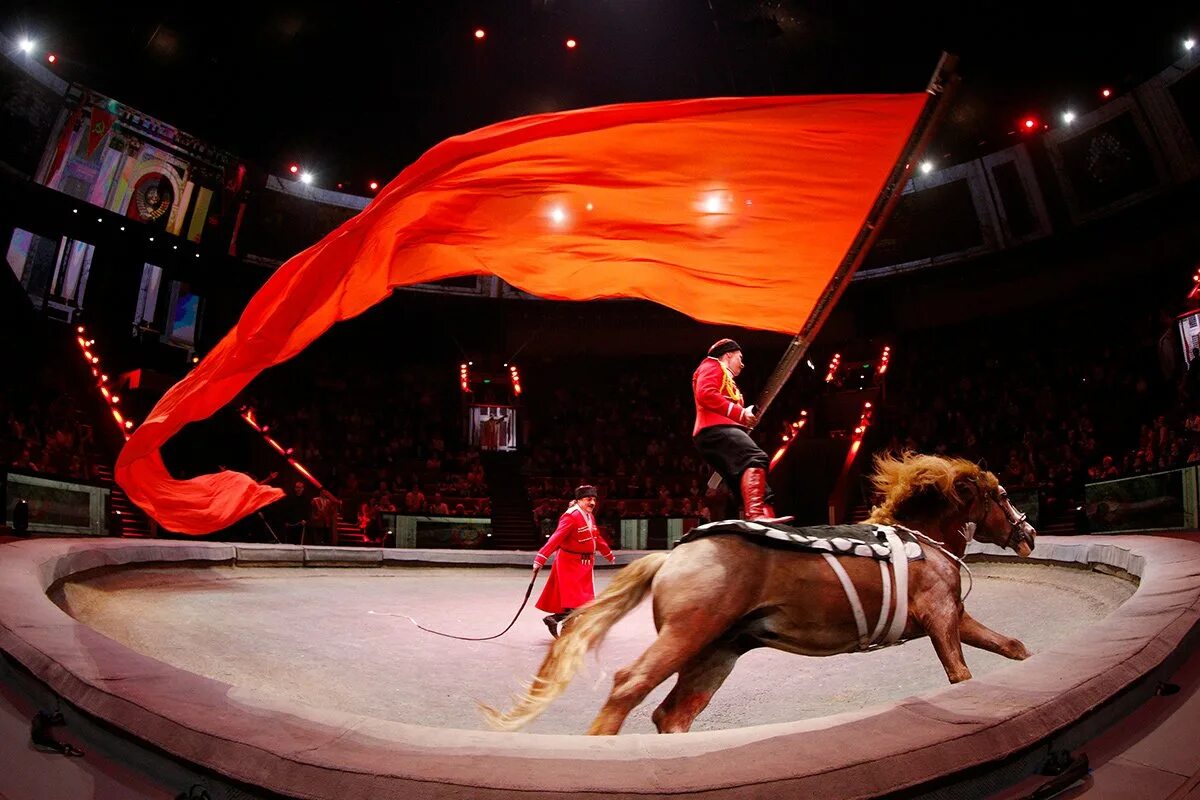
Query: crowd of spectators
{"points": [[380, 440], [44, 432], [1048, 409], [625, 429], [1047, 402]]}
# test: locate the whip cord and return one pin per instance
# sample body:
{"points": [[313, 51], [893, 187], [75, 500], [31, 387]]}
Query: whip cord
{"points": [[528, 591]]}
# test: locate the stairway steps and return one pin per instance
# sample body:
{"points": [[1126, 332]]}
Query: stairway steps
{"points": [[513, 526], [127, 520]]}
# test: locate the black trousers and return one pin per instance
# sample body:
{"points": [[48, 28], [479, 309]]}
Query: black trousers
{"points": [[730, 451]]}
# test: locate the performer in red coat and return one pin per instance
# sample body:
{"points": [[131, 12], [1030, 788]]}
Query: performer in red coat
{"points": [[721, 432], [577, 541]]}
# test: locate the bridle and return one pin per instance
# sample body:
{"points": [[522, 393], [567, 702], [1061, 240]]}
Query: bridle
{"points": [[1018, 527]]}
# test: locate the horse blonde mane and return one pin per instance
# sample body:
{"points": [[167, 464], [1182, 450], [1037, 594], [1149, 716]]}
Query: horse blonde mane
{"points": [[913, 485]]}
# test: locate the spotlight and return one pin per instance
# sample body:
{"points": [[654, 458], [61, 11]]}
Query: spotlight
{"points": [[557, 215], [128, 423], [589, 206], [926, 167], [122, 227], [152, 238], [52, 58], [480, 33], [1106, 93], [1189, 43], [26, 46], [306, 177], [373, 185], [294, 169], [571, 44], [1068, 117], [1029, 124], [74, 210]]}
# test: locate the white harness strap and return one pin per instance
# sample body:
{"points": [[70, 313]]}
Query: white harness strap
{"points": [[900, 618], [860, 618], [900, 569], [885, 606]]}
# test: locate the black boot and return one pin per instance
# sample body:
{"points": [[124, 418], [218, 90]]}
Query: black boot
{"points": [[551, 621]]}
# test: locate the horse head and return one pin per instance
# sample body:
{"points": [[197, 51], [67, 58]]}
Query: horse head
{"points": [[994, 518], [951, 499]]}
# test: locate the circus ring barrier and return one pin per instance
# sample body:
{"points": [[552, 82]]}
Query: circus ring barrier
{"points": [[977, 736]]}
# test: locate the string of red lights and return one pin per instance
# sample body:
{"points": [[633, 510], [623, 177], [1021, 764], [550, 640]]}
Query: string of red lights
{"points": [[111, 398]]}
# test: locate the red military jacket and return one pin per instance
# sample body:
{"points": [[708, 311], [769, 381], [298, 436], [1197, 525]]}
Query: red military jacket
{"points": [[718, 399], [576, 533]]}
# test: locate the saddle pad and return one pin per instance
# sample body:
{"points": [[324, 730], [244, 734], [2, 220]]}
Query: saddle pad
{"points": [[850, 540]]}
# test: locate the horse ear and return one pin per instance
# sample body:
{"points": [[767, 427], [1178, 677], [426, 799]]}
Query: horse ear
{"points": [[983, 464]]}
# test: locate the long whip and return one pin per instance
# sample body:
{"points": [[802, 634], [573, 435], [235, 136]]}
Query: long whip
{"points": [[528, 591]]}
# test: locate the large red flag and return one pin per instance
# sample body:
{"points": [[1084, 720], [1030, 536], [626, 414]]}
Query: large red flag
{"points": [[732, 210]]}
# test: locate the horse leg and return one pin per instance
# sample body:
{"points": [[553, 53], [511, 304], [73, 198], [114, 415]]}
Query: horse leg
{"points": [[979, 635], [674, 647], [699, 680], [939, 615]]}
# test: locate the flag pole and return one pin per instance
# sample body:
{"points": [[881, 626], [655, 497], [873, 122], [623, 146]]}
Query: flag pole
{"points": [[939, 90]]}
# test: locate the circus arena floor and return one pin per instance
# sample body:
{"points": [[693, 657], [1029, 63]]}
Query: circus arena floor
{"points": [[318, 636], [262, 671]]}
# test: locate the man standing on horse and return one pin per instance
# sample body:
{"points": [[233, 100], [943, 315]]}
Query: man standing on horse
{"points": [[722, 430], [577, 539]]}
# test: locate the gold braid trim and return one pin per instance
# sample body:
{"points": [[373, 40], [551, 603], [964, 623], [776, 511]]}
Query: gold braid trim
{"points": [[729, 388]]}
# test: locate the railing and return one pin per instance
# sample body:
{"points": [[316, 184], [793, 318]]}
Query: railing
{"points": [[1159, 501], [57, 505], [414, 530]]}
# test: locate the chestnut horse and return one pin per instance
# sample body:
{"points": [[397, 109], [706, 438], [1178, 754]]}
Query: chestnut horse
{"points": [[720, 596]]}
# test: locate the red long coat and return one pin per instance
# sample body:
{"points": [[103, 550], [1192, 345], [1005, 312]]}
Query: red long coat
{"points": [[577, 541]]}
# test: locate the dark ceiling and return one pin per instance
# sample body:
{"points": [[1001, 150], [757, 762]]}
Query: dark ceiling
{"points": [[356, 91]]}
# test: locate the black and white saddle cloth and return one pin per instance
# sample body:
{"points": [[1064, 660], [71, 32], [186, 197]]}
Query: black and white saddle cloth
{"points": [[866, 540]]}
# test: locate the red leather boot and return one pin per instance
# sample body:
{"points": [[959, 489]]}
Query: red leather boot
{"points": [[754, 486]]}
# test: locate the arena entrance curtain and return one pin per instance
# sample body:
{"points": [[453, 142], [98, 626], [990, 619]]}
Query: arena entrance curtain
{"points": [[731, 210]]}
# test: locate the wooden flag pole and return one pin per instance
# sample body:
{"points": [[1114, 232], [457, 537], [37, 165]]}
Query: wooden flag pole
{"points": [[939, 90]]}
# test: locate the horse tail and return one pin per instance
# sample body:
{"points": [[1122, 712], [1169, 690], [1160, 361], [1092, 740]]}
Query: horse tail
{"points": [[582, 631]]}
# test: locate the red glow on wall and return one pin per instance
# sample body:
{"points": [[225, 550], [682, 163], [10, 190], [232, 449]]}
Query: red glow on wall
{"points": [[884, 358], [789, 436], [834, 363]]}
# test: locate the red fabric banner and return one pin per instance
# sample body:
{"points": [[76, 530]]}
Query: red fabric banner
{"points": [[98, 127], [731, 210]]}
